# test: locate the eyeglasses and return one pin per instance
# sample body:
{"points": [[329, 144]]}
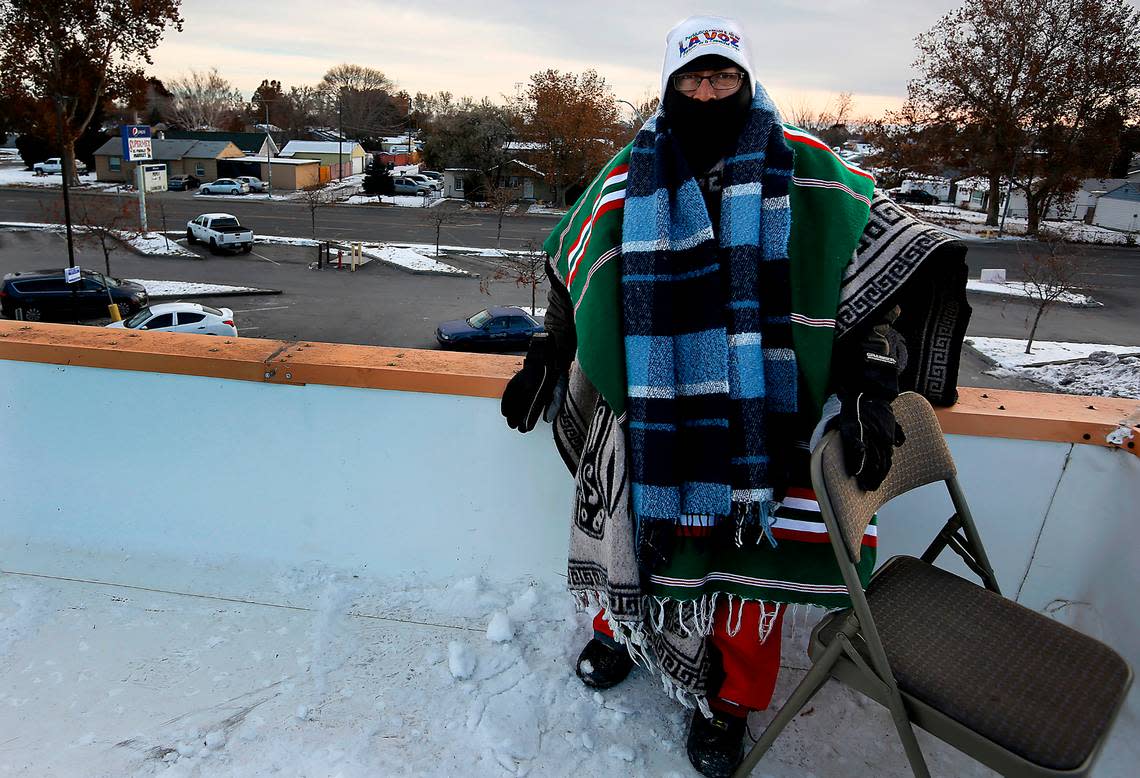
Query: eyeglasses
{"points": [[720, 82]]}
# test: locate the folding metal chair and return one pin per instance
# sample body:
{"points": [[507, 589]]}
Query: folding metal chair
{"points": [[1019, 692]]}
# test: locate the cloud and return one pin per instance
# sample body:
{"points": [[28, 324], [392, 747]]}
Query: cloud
{"points": [[800, 50]]}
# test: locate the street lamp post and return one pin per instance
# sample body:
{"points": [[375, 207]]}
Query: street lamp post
{"points": [[632, 107], [268, 146]]}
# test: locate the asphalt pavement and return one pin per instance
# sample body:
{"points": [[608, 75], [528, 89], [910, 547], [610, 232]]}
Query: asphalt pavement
{"points": [[382, 305], [293, 219]]}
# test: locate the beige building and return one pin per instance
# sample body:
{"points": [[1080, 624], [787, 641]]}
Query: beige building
{"points": [[337, 159], [195, 157], [288, 174]]}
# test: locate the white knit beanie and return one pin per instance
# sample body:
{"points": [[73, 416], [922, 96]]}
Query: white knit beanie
{"points": [[701, 35]]}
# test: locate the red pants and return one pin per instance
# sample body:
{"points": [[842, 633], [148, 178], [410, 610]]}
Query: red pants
{"points": [[750, 667]]}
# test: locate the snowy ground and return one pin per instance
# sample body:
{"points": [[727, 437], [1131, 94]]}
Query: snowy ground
{"points": [[173, 289], [1020, 289], [330, 675], [17, 176], [972, 224], [410, 259], [156, 244], [1070, 368], [404, 201], [546, 210]]}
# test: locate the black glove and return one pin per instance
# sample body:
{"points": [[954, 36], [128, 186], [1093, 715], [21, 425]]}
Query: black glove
{"points": [[867, 369], [530, 392], [869, 433]]}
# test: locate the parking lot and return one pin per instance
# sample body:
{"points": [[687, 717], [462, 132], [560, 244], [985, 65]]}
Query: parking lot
{"points": [[376, 305]]}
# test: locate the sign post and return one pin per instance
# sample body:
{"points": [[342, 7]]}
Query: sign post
{"points": [[137, 148]]}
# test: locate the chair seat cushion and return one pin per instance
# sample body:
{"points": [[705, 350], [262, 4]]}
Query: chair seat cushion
{"points": [[1030, 684]]}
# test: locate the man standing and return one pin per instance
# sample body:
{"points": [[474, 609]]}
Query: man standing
{"points": [[708, 316]]}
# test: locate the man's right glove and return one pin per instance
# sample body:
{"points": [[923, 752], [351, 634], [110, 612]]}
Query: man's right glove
{"points": [[531, 390], [867, 371], [869, 432]]}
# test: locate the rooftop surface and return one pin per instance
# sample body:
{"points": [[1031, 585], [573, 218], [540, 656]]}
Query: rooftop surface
{"points": [[325, 579]]}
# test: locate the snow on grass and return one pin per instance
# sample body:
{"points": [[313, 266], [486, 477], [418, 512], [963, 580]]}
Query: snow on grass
{"points": [[1021, 289], [155, 244], [543, 210], [409, 259], [17, 176], [972, 224], [147, 244], [164, 289], [404, 201], [1070, 368]]}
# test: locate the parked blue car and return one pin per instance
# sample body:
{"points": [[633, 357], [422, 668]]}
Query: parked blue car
{"points": [[503, 327]]}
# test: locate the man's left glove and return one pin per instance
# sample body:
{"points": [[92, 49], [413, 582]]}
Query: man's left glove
{"points": [[530, 392]]}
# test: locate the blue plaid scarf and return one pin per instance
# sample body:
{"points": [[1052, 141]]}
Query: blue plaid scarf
{"points": [[708, 342]]}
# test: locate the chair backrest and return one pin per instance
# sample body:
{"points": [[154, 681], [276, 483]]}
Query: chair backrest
{"points": [[924, 458]]}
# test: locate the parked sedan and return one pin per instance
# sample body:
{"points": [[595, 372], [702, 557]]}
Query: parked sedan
{"points": [[224, 186], [494, 328], [254, 183], [182, 317], [183, 182], [410, 186]]}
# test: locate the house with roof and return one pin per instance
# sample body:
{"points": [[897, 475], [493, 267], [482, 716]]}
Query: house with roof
{"points": [[254, 144], [199, 158], [525, 179], [341, 158], [1119, 209]]}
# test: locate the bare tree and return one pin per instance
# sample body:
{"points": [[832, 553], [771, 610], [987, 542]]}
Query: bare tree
{"points": [[100, 222], [438, 217], [501, 199], [315, 198], [1051, 273], [525, 269], [204, 100]]}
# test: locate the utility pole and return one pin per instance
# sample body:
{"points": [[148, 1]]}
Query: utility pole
{"points": [[340, 133], [67, 167]]}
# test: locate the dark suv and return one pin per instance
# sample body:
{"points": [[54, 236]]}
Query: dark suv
{"points": [[43, 295], [917, 196]]}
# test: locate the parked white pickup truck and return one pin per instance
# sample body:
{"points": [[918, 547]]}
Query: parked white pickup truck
{"points": [[55, 165], [220, 231]]}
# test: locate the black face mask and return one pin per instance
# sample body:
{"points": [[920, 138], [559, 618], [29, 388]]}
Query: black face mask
{"points": [[707, 131]]}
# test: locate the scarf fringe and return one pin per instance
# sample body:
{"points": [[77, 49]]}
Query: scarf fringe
{"points": [[694, 617]]}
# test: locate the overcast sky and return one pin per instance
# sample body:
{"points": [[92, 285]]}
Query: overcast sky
{"points": [[802, 51]]}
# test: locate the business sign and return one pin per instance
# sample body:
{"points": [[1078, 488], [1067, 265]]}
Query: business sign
{"points": [[71, 274], [154, 177], [136, 142]]}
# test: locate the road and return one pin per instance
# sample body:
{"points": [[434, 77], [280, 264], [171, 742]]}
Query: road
{"points": [[338, 222], [384, 306]]}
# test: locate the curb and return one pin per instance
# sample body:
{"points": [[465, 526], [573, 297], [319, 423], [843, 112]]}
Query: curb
{"points": [[170, 297]]}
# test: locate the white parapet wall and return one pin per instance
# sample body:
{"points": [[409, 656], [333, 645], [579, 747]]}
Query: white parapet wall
{"points": [[211, 485]]}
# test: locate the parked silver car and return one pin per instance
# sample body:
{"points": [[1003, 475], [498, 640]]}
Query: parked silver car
{"points": [[254, 183], [406, 185], [224, 186]]}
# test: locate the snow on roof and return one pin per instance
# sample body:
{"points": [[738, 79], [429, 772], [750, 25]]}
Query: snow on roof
{"points": [[1127, 191], [276, 160], [531, 168], [319, 147]]}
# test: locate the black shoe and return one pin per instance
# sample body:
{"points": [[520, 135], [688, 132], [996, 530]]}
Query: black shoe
{"points": [[715, 746], [602, 666]]}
